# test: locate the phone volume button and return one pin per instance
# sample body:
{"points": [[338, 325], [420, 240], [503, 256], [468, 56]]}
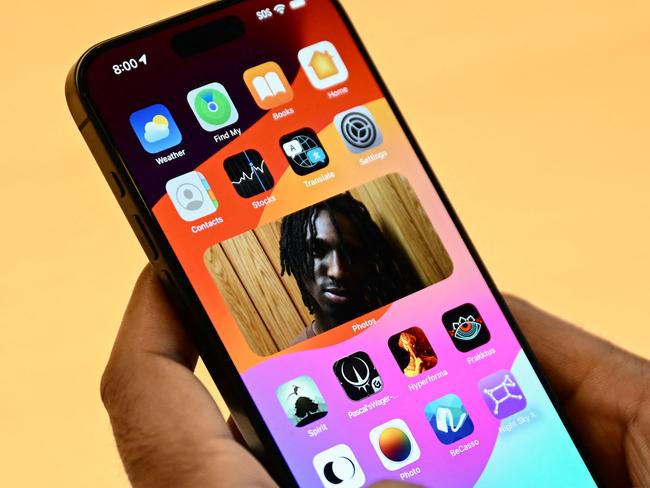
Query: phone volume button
{"points": [[145, 239], [116, 185]]}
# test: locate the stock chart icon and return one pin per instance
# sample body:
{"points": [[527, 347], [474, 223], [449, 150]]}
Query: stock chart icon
{"points": [[249, 173]]}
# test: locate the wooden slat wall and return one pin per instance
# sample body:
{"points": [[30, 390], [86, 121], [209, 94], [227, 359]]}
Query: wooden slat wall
{"points": [[268, 307]]}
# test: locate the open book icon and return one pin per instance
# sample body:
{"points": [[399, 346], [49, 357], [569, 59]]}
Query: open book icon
{"points": [[268, 85]]}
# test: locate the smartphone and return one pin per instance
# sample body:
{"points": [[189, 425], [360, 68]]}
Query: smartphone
{"points": [[323, 275]]}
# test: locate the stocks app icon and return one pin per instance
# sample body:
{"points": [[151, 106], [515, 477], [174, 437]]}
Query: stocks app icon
{"points": [[248, 173], [358, 376], [466, 327]]}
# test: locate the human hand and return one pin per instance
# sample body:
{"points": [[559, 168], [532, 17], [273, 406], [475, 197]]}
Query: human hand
{"points": [[169, 431]]}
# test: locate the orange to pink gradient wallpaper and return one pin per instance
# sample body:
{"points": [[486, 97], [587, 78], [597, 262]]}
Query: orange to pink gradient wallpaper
{"points": [[534, 116]]}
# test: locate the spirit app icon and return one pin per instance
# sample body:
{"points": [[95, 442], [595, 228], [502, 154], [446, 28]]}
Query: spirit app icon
{"points": [[268, 85]]}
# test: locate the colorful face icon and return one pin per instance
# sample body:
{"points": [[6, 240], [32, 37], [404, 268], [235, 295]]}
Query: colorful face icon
{"points": [[358, 129], [502, 394], [394, 444], [192, 196], [212, 106], [337, 467], [466, 327], [302, 401], [268, 85], [249, 173], [155, 128], [304, 151], [449, 419], [358, 376], [412, 351], [323, 65]]}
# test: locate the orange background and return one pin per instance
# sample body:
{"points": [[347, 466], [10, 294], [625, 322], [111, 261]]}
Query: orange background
{"points": [[534, 116]]}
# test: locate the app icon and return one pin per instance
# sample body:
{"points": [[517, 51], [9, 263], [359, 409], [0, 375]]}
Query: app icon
{"points": [[323, 65], [155, 128], [412, 351], [268, 85], [502, 394], [302, 401], [395, 445], [212, 106], [358, 376], [249, 173], [304, 151], [358, 129], [449, 419], [192, 196], [466, 327], [338, 467]]}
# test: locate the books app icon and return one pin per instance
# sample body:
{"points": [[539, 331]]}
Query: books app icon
{"points": [[268, 85]]}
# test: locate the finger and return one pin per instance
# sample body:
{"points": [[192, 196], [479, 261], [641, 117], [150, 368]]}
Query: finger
{"points": [[168, 429]]}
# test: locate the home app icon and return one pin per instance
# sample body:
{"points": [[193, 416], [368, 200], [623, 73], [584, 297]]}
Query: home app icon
{"points": [[323, 65]]}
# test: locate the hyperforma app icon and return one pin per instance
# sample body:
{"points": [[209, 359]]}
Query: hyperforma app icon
{"points": [[268, 85], [249, 173], [212, 106], [449, 419], [394, 444], [192, 196], [155, 128], [358, 129], [412, 351], [358, 376], [302, 401], [337, 467], [466, 327], [323, 65], [502, 394], [304, 151]]}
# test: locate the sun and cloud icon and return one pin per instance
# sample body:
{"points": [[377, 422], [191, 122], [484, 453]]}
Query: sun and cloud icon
{"points": [[155, 128]]}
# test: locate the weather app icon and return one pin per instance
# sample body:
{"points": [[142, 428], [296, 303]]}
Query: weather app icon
{"points": [[449, 419], [304, 151], [155, 128]]}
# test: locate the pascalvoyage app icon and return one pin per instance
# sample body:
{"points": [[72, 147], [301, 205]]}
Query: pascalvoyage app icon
{"points": [[449, 419], [466, 327], [304, 151], [358, 376], [155, 128], [502, 394], [302, 401]]}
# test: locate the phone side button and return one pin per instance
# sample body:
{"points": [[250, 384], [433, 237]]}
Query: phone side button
{"points": [[116, 185], [145, 239]]}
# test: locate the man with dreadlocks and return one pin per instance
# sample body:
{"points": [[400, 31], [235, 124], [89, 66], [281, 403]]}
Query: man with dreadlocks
{"points": [[342, 262]]}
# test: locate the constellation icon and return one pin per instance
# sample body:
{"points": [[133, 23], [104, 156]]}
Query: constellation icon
{"points": [[499, 390]]}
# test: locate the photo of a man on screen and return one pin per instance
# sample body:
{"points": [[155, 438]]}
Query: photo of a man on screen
{"points": [[342, 262]]}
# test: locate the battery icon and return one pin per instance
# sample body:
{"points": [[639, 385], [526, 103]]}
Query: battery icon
{"points": [[296, 4]]}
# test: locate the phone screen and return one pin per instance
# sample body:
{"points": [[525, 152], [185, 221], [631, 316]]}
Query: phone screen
{"points": [[315, 238]]}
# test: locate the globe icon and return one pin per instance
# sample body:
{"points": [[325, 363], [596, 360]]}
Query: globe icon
{"points": [[302, 159]]}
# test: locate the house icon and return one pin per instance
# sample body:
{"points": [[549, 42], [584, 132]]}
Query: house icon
{"points": [[323, 65]]}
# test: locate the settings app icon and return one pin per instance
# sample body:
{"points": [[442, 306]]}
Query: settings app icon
{"points": [[358, 129]]}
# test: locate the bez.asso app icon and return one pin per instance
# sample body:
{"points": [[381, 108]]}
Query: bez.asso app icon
{"points": [[155, 128], [394, 444], [192, 196]]}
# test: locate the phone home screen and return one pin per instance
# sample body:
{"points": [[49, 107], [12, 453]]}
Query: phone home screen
{"points": [[334, 275]]}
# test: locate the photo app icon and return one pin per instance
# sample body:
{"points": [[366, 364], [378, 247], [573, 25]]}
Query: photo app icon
{"points": [[412, 351], [358, 376], [394, 444], [155, 128], [302, 401], [466, 327], [502, 394], [449, 419]]}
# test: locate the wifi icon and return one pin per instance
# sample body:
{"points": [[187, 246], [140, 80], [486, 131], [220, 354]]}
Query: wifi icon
{"points": [[280, 8]]}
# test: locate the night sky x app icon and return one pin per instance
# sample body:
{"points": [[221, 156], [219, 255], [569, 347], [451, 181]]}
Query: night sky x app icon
{"points": [[249, 173], [358, 376], [466, 327]]}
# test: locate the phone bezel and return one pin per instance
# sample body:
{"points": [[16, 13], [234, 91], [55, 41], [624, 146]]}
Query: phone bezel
{"points": [[165, 262]]}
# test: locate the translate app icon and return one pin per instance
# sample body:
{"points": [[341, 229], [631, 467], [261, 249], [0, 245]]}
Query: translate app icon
{"points": [[449, 419], [502, 394], [155, 128]]}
